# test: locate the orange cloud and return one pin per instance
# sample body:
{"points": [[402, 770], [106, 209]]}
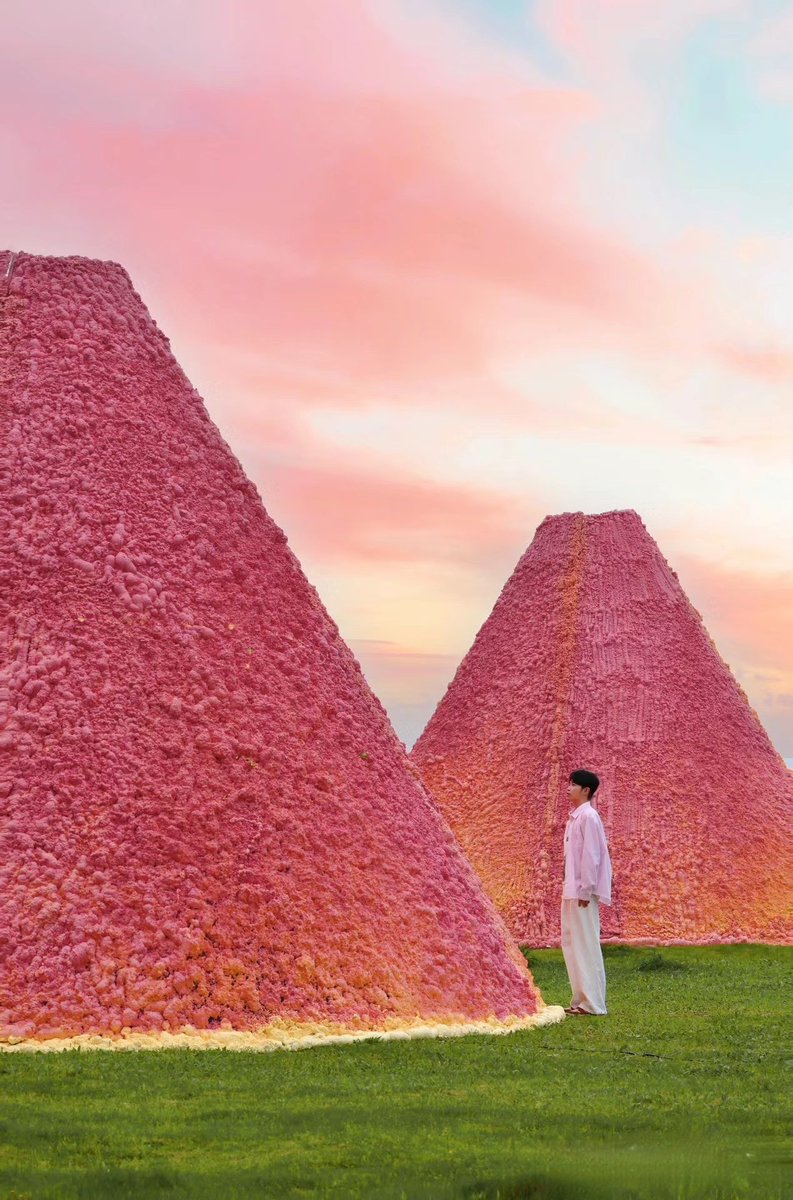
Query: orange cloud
{"points": [[409, 684], [406, 675], [751, 613], [750, 618], [766, 364]]}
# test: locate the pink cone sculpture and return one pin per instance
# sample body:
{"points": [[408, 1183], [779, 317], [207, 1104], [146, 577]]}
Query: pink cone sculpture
{"points": [[210, 832], [593, 657]]}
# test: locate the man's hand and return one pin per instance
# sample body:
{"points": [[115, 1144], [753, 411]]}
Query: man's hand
{"points": [[583, 903]]}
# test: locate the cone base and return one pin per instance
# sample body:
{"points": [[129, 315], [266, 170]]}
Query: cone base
{"points": [[710, 939], [281, 1036]]}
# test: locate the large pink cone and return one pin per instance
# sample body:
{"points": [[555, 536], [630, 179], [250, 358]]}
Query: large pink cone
{"points": [[593, 657], [207, 819]]}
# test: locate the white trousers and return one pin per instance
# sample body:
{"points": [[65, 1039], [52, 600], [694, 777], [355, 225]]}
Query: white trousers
{"points": [[583, 956]]}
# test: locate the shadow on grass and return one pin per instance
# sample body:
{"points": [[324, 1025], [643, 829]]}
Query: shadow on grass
{"points": [[659, 962], [538, 1187], [547, 1188], [552, 1187], [120, 1183], [641, 1172]]}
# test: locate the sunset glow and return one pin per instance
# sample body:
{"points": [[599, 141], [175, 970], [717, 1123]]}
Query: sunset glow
{"points": [[439, 269]]}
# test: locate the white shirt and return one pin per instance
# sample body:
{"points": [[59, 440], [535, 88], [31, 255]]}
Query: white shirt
{"points": [[587, 866]]}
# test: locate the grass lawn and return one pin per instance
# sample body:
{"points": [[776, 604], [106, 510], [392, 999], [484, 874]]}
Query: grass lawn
{"points": [[680, 1092]]}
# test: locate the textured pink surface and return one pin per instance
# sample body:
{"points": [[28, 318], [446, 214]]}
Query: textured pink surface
{"points": [[594, 657], [207, 819]]}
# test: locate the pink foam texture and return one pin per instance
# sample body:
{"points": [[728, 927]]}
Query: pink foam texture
{"points": [[207, 820], [594, 657]]}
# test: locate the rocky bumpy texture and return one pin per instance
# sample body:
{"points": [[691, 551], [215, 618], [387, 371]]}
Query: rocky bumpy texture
{"points": [[593, 657], [207, 821]]}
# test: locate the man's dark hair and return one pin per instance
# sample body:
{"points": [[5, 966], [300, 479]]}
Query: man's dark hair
{"points": [[587, 779]]}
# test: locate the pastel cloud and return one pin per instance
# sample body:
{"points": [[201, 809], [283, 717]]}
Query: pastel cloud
{"points": [[372, 213], [771, 51], [602, 36], [351, 512], [410, 230]]}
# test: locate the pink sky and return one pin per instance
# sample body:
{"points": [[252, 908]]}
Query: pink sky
{"points": [[439, 269]]}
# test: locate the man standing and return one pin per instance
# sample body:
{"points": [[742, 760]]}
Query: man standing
{"points": [[587, 885]]}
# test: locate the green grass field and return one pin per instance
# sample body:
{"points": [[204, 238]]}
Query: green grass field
{"points": [[680, 1092]]}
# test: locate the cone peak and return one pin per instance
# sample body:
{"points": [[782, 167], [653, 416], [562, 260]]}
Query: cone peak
{"points": [[611, 516], [58, 261]]}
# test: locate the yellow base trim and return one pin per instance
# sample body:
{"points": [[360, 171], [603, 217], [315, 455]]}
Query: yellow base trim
{"points": [[281, 1035]]}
